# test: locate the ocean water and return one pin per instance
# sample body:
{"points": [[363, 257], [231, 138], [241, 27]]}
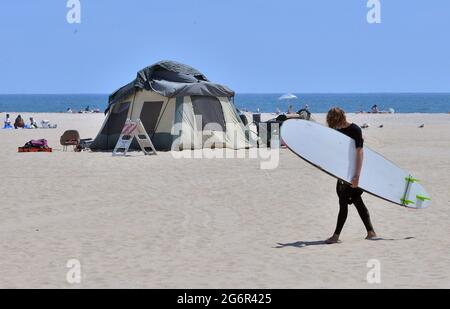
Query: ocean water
{"points": [[51, 103], [318, 103], [321, 103]]}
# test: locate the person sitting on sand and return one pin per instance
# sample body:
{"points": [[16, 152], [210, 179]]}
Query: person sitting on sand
{"points": [[375, 109], [349, 194], [33, 124], [304, 113], [19, 123], [7, 122]]}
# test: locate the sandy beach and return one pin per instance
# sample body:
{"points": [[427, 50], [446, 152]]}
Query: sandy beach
{"points": [[160, 222]]}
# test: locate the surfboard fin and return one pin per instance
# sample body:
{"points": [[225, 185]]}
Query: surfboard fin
{"points": [[411, 179], [406, 202], [423, 198]]}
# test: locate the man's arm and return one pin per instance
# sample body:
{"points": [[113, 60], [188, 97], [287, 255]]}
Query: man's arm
{"points": [[359, 163]]}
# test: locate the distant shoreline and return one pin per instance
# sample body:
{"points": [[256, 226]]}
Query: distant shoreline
{"points": [[262, 113], [242, 93], [266, 103]]}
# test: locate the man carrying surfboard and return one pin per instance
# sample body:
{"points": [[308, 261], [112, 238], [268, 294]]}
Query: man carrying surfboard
{"points": [[349, 194]]}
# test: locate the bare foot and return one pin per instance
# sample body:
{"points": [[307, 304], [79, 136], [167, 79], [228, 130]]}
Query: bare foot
{"points": [[371, 235], [333, 239]]}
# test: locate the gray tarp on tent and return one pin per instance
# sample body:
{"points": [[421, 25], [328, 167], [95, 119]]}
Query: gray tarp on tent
{"points": [[174, 89], [171, 79]]}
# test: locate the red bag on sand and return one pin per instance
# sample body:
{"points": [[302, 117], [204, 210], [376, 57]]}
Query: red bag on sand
{"points": [[35, 149]]}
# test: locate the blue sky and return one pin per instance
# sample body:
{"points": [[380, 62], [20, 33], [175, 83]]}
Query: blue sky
{"points": [[252, 46]]}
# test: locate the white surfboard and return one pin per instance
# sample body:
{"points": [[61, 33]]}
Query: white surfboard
{"points": [[335, 153]]}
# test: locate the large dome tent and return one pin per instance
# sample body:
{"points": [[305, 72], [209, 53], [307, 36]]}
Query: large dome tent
{"points": [[179, 108]]}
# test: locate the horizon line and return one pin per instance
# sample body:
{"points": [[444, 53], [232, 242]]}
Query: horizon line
{"points": [[240, 93]]}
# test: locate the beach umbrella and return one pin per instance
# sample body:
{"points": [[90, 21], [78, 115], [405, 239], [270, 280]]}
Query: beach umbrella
{"points": [[288, 96]]}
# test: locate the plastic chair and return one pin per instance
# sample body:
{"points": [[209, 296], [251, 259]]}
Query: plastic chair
{"points": [[70, 138]]}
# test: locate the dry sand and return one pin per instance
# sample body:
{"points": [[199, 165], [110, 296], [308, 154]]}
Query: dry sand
{"points": [[157, 222]]}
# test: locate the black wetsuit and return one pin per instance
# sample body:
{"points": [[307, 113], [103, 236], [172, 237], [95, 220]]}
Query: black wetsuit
{"points": [[348, 195]]}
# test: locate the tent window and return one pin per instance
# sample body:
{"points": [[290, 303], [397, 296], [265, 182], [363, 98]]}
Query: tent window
{"points": [[150, 115], [210, 109], [117, 119]]}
